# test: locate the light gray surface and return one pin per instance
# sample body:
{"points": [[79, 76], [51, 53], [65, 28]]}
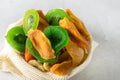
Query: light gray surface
{"points": [[102, 19]]}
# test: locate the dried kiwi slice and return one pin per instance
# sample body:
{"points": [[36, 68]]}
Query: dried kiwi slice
{"points": [[58, 37], [53, 16], [31, 20], [16, 38], [36, 54]]}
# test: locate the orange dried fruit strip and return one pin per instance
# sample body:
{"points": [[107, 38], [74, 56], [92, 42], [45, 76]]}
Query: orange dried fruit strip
{"points": [[79, 24], [28, 55], [41, 44], [43, 21], [41, 27], [42, 17], [41, 14], [73, 32]]}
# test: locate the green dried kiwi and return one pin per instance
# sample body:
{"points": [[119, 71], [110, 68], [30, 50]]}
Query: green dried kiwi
{"points": [[16, 38], [58, 37], [31, 20], [54, 15]]}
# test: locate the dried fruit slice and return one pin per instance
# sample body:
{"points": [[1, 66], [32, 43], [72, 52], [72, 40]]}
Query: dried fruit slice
{"points": [[58, 37], [36, 54], [75, 52], [16, 38], [61, 68], [73, 32], [42, 44], [53, 16], [31, 20], [79, 24]]}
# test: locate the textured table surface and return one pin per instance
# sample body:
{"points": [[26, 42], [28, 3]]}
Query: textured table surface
{"points": [[102, 18]]}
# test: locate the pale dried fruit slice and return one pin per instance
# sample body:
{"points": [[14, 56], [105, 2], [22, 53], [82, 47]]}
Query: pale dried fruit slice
{"points": [[46, 66], [75, 52], [37, 64], [41, 44], [64, 55], [61, 68]]}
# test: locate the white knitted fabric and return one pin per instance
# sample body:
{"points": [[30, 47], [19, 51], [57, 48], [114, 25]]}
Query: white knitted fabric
{"points": [[12, 62]]}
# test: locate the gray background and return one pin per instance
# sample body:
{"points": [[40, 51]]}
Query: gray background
{"points": [[101, 17]]}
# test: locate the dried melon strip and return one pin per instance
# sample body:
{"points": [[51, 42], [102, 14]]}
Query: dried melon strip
{"points": [[41, 14], [41, 44], [43, 21], [74, 34], [79, 24]]}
